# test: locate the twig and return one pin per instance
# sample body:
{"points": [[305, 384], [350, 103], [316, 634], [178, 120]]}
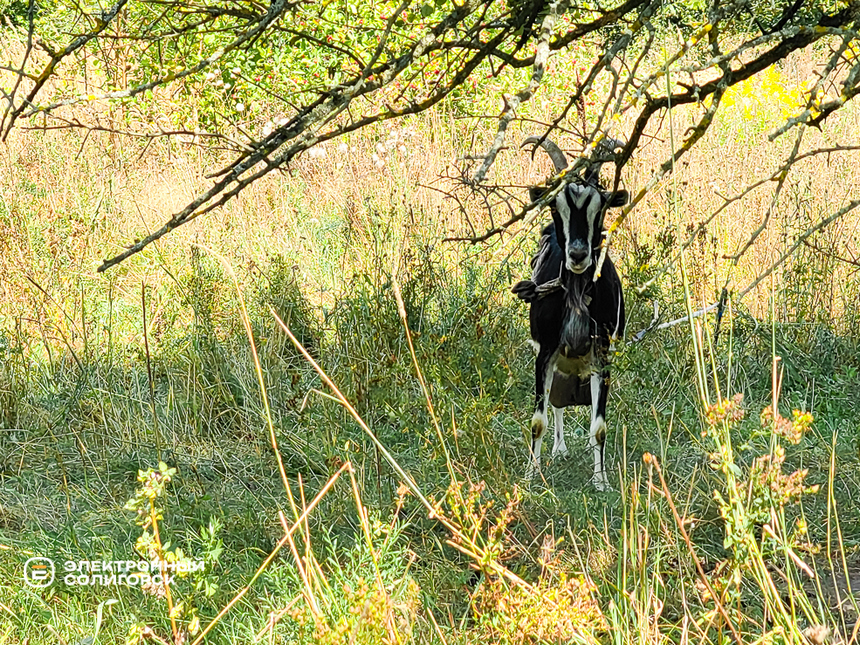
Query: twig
{"points": [[512, 102]]}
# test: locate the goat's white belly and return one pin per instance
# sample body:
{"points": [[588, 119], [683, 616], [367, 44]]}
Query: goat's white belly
{"points": [[580, 366]]}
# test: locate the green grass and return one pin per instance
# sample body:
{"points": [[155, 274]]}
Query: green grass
{"points": [[78, 430]]}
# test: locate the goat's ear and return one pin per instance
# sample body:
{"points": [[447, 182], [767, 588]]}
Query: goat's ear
{"points": [[536, 192], [619, 198]]}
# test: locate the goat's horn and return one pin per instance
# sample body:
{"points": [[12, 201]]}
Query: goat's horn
{"points": [[608, 145], [554, 152], [604, 148]]}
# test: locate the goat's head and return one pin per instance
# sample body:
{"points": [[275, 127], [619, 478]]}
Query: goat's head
{"points": [[579, 208]]}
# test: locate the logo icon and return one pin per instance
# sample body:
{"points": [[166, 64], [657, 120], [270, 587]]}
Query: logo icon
{"points": [[39, 572]]}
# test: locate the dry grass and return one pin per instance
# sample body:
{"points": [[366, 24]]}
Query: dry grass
{"points": [[72, 201]]}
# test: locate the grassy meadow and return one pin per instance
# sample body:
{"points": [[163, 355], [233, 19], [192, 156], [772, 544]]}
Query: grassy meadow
{"points": [[727, 522]]}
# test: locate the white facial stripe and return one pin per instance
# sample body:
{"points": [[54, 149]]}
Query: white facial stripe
{"points": [[584, 198], [582, 193], [564, 212], [593, 210], [585, 194], [576, 192], [579, 201]]}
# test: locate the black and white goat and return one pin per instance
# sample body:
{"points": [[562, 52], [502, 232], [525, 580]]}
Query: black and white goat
{"points": [[573, 317]]}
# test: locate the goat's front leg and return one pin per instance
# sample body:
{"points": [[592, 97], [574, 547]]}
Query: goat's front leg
{"points": [[597, 435], [544, 366]]}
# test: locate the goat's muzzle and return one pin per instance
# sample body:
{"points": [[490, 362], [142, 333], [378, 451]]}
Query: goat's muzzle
{"points": [[578, 258]]}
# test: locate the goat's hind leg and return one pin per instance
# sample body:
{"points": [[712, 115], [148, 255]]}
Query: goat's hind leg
{"points": [[543, 381], [559, 447], [597, 434]]}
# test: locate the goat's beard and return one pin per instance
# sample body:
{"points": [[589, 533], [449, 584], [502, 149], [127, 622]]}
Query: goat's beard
{"points": [[576, 333]]}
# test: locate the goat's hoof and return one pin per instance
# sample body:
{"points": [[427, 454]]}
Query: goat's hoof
{"points": [[560, 453], [533, 471], [601, 483]]}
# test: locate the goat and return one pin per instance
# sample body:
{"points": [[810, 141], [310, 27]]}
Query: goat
{"points": [[573, 316]]}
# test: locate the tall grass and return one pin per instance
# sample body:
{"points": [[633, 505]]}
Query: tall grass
{"points": [[312, 525]]}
